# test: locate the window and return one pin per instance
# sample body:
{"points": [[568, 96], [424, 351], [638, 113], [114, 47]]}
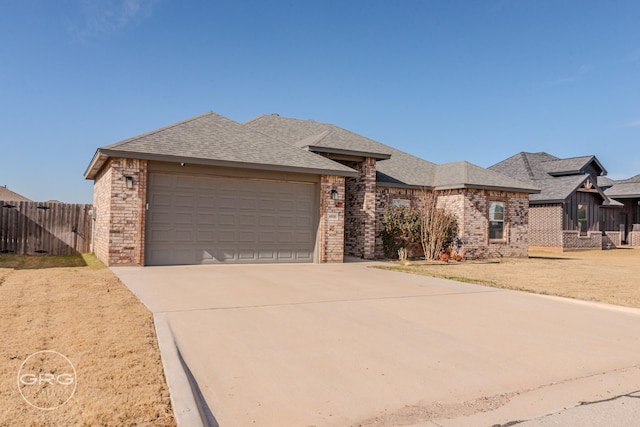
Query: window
{"points": [[583, 219], [496, 220], [401, 202]]}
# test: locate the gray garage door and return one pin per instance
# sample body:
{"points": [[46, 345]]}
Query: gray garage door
{"points": [[207, 219]]}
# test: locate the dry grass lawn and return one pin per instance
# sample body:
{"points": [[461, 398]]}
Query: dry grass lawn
{"points": [[605, 276], [77, 307]]}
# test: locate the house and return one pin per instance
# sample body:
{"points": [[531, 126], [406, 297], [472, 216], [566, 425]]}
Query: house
{"points": [[275, 189], [576, 198], [7, 195], [625, 219]]}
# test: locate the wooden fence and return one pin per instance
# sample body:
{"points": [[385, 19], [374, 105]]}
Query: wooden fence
{"points": [[44, 228]]}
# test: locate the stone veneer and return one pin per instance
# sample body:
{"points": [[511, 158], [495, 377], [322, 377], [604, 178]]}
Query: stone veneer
{"points": [[572, 241], [471, 206], [611, 239], [120, 212]]}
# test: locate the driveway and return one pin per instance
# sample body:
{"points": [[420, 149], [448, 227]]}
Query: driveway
{"points": [[346, 344]]}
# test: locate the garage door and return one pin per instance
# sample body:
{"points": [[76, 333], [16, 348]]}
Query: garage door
{"points": [[197, 219]]}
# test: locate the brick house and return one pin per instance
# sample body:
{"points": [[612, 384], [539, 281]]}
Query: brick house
{"points": [[274, 189], [576, 208]]}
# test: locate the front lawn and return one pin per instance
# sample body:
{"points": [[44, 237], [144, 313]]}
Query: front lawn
{"points": [[79, 309], [611, 276]]}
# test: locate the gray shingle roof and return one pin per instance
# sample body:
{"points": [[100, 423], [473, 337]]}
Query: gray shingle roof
{"points": [[394, 167], [571, 166], [7, 195], [557, 178], [623, 190], [467, 175], [213, 139], [305, 133]]}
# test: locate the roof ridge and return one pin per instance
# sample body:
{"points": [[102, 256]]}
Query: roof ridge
{"points": [[528, 166], [124, 141]]}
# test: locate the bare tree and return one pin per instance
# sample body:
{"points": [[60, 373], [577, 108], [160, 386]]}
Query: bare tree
{"points": [[438, 226]]}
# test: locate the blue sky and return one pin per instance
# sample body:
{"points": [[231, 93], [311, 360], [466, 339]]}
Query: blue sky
{"points": [[444, 80]]}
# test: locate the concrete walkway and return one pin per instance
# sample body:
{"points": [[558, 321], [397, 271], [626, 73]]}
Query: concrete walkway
{"points": [[346, 344]]}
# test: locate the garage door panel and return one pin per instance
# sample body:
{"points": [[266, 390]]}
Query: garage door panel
{"points": [[226, 236], [208, 219], [226, 219]]}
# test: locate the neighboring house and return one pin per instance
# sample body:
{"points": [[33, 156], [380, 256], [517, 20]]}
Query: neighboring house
{"points": [[572, 208], [208, 190], [626, 219], [11, 196]]}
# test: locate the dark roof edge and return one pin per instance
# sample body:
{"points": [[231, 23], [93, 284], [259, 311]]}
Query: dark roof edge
{"points": [[546, 201], [104, 154], [623, 196], [329, 150], [487, 187], [402, 185]]}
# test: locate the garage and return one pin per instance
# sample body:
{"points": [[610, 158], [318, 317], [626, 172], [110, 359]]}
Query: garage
{"points": [[201, 219]]}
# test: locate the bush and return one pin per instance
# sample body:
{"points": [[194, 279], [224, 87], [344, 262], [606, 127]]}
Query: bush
{"points": [[401, 227]]}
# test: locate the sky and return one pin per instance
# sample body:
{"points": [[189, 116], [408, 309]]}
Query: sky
{"points": [[443, 80]]}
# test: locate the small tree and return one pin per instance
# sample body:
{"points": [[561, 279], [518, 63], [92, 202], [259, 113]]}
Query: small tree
{"points": [[401, 227], [438, 227]]}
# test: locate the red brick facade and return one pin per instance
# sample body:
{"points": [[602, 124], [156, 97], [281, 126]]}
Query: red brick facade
{"points": [[360, 210], [120, 212], [349, 223], [331, 242], [471, 206]]}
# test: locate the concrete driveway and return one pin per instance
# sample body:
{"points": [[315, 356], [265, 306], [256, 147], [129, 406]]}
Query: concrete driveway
{"points": [[346, 344]]}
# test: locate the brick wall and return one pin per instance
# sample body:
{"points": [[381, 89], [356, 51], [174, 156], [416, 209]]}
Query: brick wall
{"points": [[571, 240], [474, 229], [360, 210], [545, 226], [102, 207], [332, 214], [471, 208], [120, 212]]}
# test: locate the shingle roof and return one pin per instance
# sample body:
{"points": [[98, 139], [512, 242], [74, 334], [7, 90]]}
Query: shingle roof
{"points": [[633, 179], [557, 178], [309, 133], [571, 166], [11, 196], [394, 167], [622, 190], [214, 139], [467, 175]]}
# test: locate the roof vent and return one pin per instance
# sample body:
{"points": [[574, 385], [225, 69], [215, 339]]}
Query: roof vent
{"points": [[275, 114]]}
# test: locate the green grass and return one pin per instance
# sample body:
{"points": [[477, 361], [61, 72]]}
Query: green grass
{"points": [[34, 262]]}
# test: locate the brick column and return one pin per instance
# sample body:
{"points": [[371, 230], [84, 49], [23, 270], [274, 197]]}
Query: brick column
{"points": [[120, 212], [331, 239], [368, 182]]}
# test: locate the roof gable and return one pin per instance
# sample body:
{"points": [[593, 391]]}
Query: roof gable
{"points": [[11, 196], [393, 167], [312, 134], [573, 166], [557, 178], [213, 139]]}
